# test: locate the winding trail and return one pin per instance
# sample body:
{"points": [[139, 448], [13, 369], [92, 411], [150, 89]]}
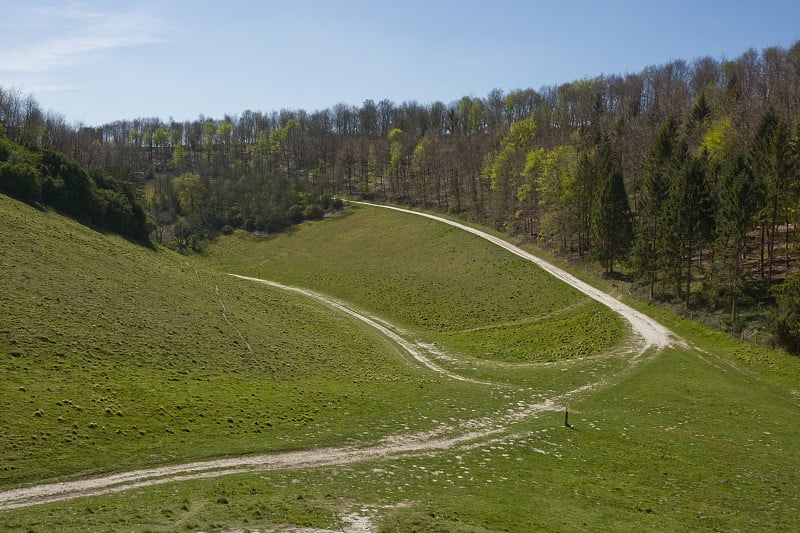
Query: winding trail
{"points": [[469, 433], [443, 438], [653, 334], [414, 350]]}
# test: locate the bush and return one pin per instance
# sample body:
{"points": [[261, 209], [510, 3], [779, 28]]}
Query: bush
{"points": [[295, 214], [786, 321], [5, 149], [20, 180], [312, 212]]}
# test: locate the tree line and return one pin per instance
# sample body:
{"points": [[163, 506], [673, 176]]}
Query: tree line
{"points": [[684, 176]]}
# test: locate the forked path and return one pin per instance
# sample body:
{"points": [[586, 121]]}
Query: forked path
{"points": [[653, 335]]}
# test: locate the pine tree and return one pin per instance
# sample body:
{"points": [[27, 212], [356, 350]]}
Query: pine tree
{"points": [[612, 228], [738, 198], [689, 216], [771, 167], [648, 250]]}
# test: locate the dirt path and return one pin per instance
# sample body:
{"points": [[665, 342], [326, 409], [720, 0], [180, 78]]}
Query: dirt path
{"points": [[444, 437], [468, 433], [653, 334], [384, 327]]}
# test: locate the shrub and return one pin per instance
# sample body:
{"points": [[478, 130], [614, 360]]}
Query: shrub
{"points": [[20, 180], [295, 214], [312, 212], [786, 320]]}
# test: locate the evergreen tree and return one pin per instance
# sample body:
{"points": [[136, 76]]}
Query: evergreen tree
{"points": [[585, 185], [689, 219], [738, 200], [648, 250], [612, 228], [771, 161]]}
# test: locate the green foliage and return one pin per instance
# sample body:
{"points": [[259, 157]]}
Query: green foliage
{"points": [[20, 180], [738, 200], [420, 159], [786, 323], [650, 255], [505, 169], [556, 186], [397, 166], [718, 142], [612, 229], [190, 191], [770, 151], [688, 223], [313, 212], [772, 160], [295, 214], [701, 112], [521, 136], [178, 155], [45, 176]]}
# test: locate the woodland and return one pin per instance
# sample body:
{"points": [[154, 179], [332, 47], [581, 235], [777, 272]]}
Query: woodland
{"points": [[683, 179]]}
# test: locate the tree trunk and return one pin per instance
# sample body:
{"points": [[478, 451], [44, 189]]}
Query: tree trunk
{"points": [[688, 278]]}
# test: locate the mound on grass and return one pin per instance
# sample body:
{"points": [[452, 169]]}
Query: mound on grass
{"points": [[435, 280]]}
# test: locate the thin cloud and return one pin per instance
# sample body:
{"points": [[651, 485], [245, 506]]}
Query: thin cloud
{"points": [[83, 34]]}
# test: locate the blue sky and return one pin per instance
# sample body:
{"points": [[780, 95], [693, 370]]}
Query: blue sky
{"points": [[96, 61]]}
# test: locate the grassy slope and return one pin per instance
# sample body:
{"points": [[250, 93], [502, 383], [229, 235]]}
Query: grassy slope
{"points": [[451, 286], [114, 357], [684, 441]]}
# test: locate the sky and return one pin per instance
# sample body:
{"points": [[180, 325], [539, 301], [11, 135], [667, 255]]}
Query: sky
{"points": [[95, 62]]}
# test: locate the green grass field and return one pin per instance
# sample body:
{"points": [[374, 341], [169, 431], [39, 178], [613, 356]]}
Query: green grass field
{"points": [[115, 357], [434, 279]]}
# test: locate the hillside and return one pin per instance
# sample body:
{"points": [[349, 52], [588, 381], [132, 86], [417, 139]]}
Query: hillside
{"points": [[436, 281], [324, 421], [681, 178], [116, 356], [43, 176]]}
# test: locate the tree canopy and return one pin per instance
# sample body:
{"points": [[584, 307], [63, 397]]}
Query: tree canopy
{"points": [[684, 176]]}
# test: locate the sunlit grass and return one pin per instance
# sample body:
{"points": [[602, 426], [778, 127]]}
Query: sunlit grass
{"points": [[115, 357], [96, 330], [435, 280]]}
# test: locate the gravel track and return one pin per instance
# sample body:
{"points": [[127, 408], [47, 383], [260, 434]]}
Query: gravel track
{"points": [[653, 334]]}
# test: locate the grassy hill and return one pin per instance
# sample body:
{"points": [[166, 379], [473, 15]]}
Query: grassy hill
{"points": [[100, 336], [451, 286], [115, 356]]}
